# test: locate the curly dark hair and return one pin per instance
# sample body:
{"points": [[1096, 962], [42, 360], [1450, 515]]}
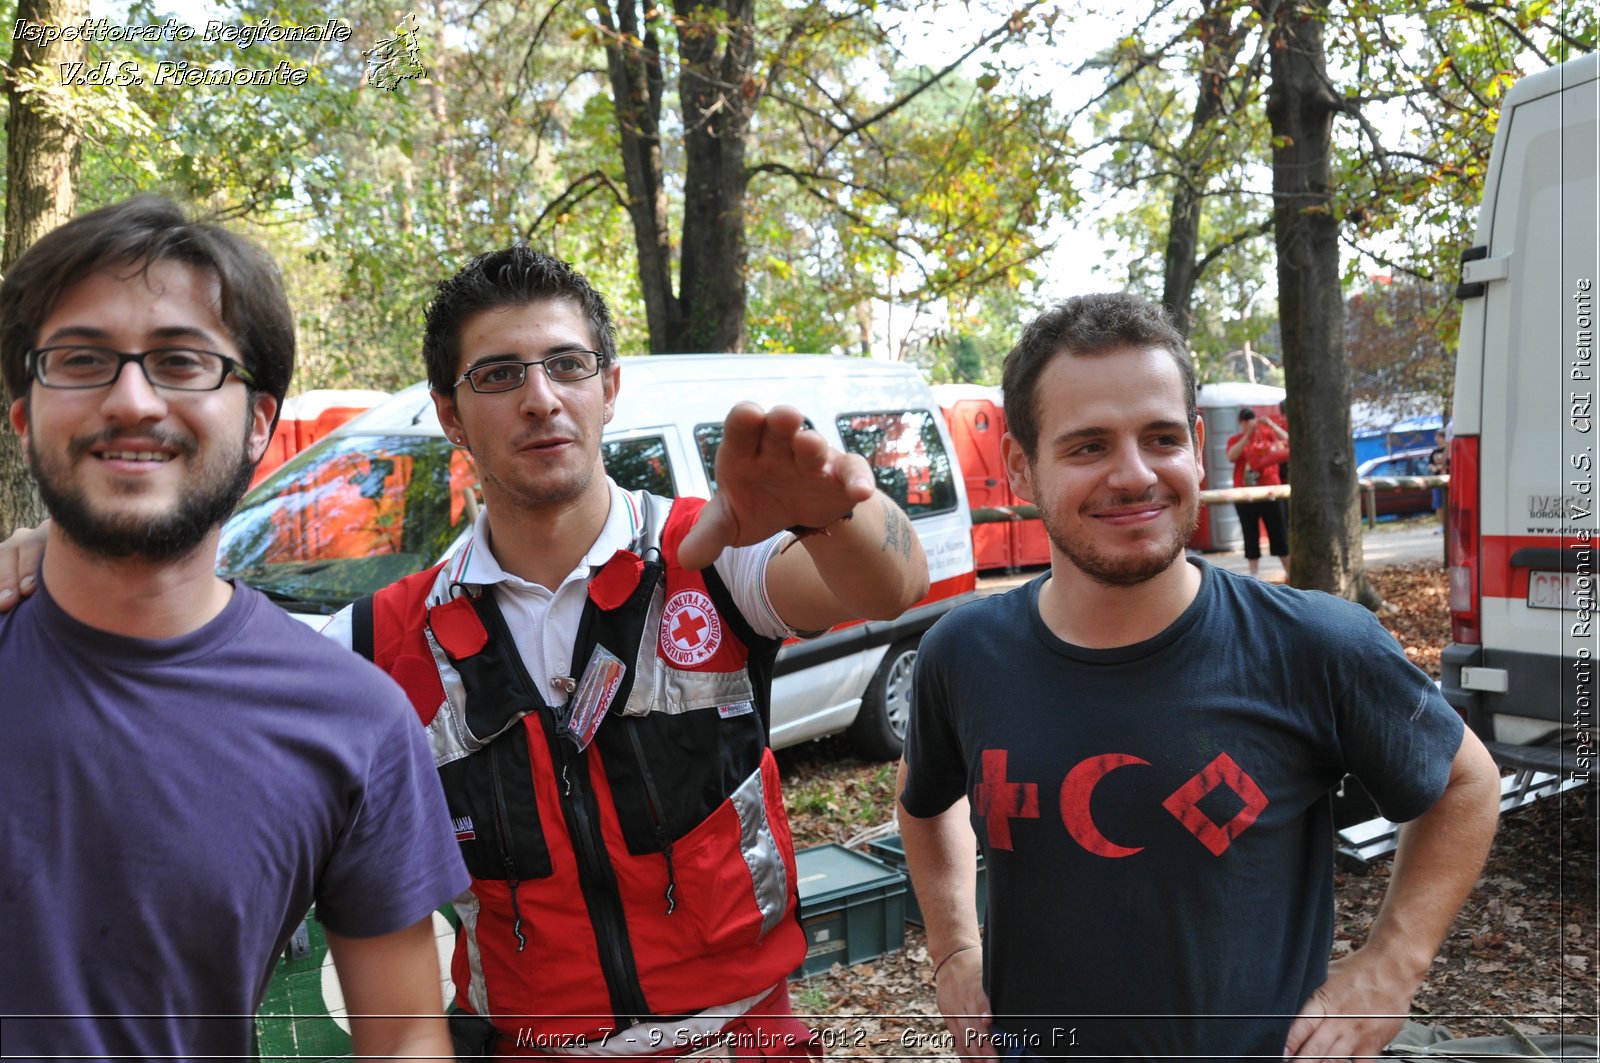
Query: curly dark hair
{"points": [[510, 277], [137, 233], [1085, 325]]}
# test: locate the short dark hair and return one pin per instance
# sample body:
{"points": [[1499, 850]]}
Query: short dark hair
{"points": [[513, 276], [1246, 414], [138, 233], [1085, 325]]}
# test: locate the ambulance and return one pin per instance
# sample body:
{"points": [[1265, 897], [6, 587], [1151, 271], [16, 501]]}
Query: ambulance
{"points": [[386, 495], [1522, 527]]}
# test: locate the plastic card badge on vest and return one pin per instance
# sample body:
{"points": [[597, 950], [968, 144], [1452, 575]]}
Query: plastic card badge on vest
{"points": [[602, 676]]}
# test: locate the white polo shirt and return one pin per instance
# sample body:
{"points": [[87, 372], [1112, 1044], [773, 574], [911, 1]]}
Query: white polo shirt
{"points": [[544, 623]]}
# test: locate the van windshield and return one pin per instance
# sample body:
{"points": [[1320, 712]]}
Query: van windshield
{"points": [[348, 517]]}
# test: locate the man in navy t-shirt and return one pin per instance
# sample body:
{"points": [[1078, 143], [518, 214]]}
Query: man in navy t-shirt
{"points": [[1146, 747], [186, 768]]}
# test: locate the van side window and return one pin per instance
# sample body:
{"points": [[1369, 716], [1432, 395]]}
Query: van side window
{"points": [[707, 438], [907, 456], [342, 520], [640, 463]]}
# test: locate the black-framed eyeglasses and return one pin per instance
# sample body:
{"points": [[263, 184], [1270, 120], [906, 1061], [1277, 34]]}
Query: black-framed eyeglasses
{"points": [[566, 367], [174, 368]]}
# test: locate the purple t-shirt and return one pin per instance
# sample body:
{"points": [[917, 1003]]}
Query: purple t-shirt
{"points": [[170, 809]]}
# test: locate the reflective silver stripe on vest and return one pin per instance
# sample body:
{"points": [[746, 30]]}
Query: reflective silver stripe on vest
{"points": [[760, 851], [447, 734], [649, 674], [466, 907]]}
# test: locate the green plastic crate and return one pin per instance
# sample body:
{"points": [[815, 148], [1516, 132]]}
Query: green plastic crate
{"points": [[852, 907], [892, 851], [293, 1022]]}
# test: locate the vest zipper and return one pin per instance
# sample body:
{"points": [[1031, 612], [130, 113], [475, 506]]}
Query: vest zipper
{"points": [[599, 886], [654, 799], [596, 878], [503, 830]]}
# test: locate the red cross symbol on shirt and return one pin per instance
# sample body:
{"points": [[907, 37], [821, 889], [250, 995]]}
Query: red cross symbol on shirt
{"points": [[1000, 802], [688, 628]]}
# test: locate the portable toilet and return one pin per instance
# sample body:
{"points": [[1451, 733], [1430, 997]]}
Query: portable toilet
{"points": [[977, 421], [1220, 404], [307, 417]]}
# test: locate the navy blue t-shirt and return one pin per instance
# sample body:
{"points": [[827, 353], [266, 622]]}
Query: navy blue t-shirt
{"points": [[169, 810], [1155, 818]]}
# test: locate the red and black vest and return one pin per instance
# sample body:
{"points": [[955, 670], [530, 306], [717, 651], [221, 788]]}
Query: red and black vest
{"points": [[648, 876]]}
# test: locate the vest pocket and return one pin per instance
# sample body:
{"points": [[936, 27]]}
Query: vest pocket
{"points": [[496, 816], [716, 883], [693, 760]]}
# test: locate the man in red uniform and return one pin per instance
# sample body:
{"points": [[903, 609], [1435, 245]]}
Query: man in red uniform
{"points": [[594, 668]]}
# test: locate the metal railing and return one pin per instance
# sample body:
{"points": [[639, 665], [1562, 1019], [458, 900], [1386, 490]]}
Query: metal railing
{"points": [[1228, 495]]}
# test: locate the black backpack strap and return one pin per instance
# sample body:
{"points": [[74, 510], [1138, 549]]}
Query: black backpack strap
{"points": [[361, 637]]}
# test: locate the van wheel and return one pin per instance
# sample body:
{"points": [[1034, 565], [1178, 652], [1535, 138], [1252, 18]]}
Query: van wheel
{"points": [[879, 732]]}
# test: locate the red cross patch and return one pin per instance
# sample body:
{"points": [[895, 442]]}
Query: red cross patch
{"points": [[691, 631]]}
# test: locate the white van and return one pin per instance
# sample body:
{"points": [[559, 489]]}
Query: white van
{"points": [[1522, 519], [385, 495]]}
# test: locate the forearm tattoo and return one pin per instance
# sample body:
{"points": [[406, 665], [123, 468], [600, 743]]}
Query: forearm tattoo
{"points": [[896, 532]]}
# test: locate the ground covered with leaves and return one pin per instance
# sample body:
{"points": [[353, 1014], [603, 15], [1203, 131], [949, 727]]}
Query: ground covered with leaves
{"points": [[1522, 955]]}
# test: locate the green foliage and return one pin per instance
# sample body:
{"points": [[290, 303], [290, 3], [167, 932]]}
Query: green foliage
{"points": [[1421, 88], [1401, 339], [1424, 90], [367, 196], [1153, 139], [981, 330]]}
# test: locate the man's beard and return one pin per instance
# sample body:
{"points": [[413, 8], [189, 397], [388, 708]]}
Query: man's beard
{"points": [[204, 504], [1127, 571]]}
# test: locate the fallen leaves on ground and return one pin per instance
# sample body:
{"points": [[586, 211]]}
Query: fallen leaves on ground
{"points": [[1418, 595], [1522, 956]]}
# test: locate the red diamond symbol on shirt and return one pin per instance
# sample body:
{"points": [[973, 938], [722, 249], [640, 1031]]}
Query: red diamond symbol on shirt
{"points": [[1185, 803]]}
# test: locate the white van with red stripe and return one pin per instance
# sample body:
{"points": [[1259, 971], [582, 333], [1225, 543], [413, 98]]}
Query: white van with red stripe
{"points": [[1523, 529], [385, 495]]}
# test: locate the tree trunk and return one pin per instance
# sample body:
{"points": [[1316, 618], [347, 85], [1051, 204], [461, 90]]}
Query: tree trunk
{"points": [[716, 48], [42, 155], [1324, 524], [1220, 44], [633, 61]]}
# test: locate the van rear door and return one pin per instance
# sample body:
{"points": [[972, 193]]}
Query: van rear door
{"points": [[1522, 497]]}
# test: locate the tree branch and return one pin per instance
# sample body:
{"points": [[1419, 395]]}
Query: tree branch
{"points": [[1260, 228], [857, 125], [575, 193]]}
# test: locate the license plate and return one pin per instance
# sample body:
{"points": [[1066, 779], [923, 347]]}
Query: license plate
{"points": [[1553, 590]]}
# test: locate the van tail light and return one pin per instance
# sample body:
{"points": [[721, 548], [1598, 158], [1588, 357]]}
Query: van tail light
{"points": [[1462, 547]]}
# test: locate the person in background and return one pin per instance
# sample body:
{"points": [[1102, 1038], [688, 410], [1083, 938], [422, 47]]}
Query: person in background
{"points": [[1254, 451]]}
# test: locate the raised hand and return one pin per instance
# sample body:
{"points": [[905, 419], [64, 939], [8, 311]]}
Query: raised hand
{"points": [[772, 473]]}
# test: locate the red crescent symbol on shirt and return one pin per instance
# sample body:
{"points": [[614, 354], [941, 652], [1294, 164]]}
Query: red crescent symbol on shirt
{"points": [[1076, 792]]}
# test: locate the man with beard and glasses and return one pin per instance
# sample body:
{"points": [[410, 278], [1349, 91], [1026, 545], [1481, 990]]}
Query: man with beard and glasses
{"points": [[1148, 744], [186, 769]]}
